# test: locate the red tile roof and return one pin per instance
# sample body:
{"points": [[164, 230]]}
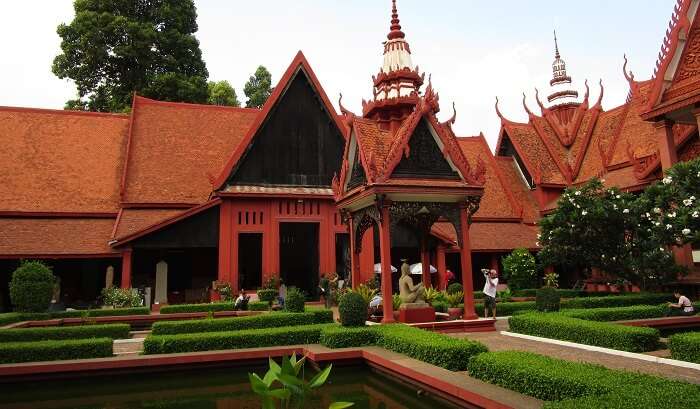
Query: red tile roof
{"points": [[516, 185], [60, 161], [55, 236], [177, 150], [488, 236], [133, 220], [532, 150]]}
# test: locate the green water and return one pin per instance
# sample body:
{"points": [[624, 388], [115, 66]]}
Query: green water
{"points": [[207, 388]]}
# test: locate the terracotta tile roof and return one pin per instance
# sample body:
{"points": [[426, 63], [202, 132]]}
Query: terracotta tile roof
{"points": [[374, 142], [534, 153], [133, 220], [517, 186], [601, 142], [63, 161], [497, 201], [55, 236], [488, 236], [177, 150], [636, 133]]}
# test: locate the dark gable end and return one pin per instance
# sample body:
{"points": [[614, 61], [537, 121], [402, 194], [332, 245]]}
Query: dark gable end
{"points": [[298, 144], [357, 174], [425, 158]]}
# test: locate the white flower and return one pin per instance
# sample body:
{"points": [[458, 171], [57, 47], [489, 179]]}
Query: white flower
{"points": [[577, 193], [667, 180], [627, 211], [538, 236], [672, 215], [686, 231], [657, 210], [657, 224], [583, 213], [661, 248], [614, 207], [537, 243], [578, 206], [669, 227], [617, 197], [692, 197], [688, 202], [602, 256], [696, 214], [614, 258], [648, 215]]}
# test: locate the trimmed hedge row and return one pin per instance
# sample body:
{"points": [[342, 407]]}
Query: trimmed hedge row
{"points": [[14, 352], [12, 317], [437, 349], [254, 338], [508, 308], [347, 337], [281, 319], [115, 312], [183, 308], [685, 347], [557, 326], [258, 306], [567, 384], [617, 301], [111, 331], [633, 312]]}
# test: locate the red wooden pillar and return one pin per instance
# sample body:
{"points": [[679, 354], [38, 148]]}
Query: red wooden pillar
{"points": [[441, 267], [126, 268], [465, 256], [225, 241], [385, 254], [354, 257], [666, 144], [326, 240], [367, 256], [425, 263]]}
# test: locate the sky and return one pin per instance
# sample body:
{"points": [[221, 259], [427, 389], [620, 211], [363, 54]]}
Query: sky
{"points": [[476, 50]]}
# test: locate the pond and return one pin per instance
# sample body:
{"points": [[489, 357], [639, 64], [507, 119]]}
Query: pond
{"points": [[207, 388]]}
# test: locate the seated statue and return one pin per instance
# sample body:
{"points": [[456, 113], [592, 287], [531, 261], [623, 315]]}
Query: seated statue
{"points": [[408, 292]]}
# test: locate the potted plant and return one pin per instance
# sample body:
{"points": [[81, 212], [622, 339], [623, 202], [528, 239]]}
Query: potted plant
{"points": [[454, 300]]}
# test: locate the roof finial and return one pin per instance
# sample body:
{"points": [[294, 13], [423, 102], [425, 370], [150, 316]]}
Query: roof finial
{"points": [[556, 46], [395, 24]]}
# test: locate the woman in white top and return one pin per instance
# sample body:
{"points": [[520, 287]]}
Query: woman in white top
{"points": [[684, 305]]}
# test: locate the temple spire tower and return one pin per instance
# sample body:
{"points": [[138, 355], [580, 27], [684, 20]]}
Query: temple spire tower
{"points": [[396, 87], [561, 92]]}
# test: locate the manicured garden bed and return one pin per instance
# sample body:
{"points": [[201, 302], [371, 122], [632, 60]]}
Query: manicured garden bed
{"points": [[617, 313], [112, 331], [12, 317], [277, 319], [13, 352], [685, 347], [565, 384]]}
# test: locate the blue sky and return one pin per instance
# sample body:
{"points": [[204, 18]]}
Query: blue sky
{"points": [[474, 49]]}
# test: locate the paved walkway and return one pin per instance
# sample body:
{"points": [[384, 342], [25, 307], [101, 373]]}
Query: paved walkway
{"points": [[497, 342]]}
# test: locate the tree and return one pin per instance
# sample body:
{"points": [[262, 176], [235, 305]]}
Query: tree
{"points": [[32, 286], [113, 48], [222, 93], [594, 227], [258, 88], [520, 269]]}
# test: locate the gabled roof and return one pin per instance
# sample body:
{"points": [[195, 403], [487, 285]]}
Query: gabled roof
{"points": [[33, 237], [60, 161], [492, 236], [131, 221], [299, 65], [176, 150], [515, 184]]}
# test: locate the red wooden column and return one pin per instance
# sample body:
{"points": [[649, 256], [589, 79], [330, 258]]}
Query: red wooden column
{"points": [[385, 254], [666, 144], [425, 263], [225, 241], [354, 257], [441, 267], [126, 268], [367, 256], [465, 256]]}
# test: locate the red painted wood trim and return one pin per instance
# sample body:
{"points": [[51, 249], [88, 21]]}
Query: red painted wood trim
{"points": [[465, 258], [135, 205], [59, 256], [126, 268], [127, 149], [60, 215], [263, 195]]}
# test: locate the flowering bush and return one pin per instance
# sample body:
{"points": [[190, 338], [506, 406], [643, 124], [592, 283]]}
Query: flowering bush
{"points": [[121, 297], [520, 269]]}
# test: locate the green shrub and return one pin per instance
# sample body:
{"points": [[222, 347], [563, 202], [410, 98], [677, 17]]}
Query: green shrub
{"points": [[520, 269], [440, 306], [258, 306], [112, 331], [346, 337], [182, 308], [685, 347], [566, 384], [14, 352], [268, 295], [557, 326], [352, 309], [617, 301], [437, 349], [252, 338], [294, 302], [281, 319], [548, 299], [121, 297], [454, 288], [31, 287], [504, 309], [633, 312], [117, 312]]}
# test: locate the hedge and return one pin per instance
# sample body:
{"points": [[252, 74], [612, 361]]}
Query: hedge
{"points": [[633, 312], [566, 384], [14, 352], [258, 306], [346, 337], [117, 311], [12, 317], [685, 347], [437, 349], [112, 331], [508, 308], [557, 326], [277, 319], [184, 308], [254, 338], [617, 301]]}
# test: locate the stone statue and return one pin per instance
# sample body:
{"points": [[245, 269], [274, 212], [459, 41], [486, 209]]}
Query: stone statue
{"points": [[408, 292]]}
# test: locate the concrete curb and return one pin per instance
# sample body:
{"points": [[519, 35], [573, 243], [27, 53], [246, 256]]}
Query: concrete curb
{"points": [[632, 355]]}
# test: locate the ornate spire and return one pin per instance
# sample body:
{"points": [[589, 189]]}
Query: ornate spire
{"points": [[560, 79], [395, 24]]}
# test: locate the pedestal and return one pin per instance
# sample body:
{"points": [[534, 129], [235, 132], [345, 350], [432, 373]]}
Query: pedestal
{"points": [[410, 313]]}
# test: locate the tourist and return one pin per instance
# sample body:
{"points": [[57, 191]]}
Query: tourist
{"points": [[282, 293], [491, 277], [684, 306], [241, 303]]}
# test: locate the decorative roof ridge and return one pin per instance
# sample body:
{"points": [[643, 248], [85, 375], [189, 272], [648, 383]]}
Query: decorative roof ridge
{"points": [[52, 111], [607, 156], [564, 168], [504, 120], [515, 206], [127, 148], [149, 101], [535, 171], [595, 114], [453, 152], [299, 63]]}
